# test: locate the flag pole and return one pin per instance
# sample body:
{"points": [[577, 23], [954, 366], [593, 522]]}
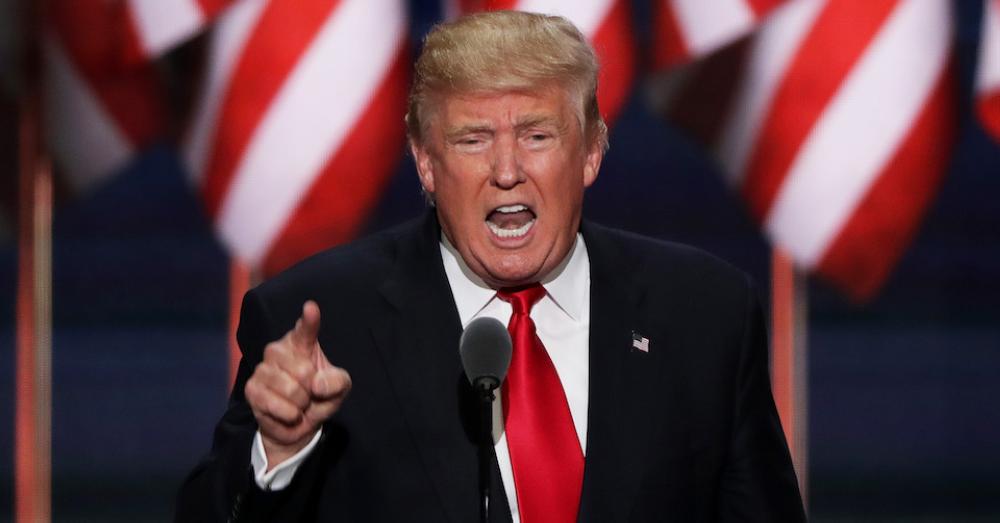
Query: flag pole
{"points": [[33, 374], [789, 359]]}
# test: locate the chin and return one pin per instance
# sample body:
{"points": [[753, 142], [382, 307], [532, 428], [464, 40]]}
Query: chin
{"points": [[513, 276]]}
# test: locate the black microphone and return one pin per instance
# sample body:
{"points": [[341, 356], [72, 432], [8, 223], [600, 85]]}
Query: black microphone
{"points": [[485, 348]]}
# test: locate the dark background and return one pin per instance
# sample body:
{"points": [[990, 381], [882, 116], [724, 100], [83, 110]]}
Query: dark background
{"points": [[904, 411]]}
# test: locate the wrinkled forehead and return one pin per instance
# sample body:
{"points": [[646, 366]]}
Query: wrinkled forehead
{"points": [[450, 103]]}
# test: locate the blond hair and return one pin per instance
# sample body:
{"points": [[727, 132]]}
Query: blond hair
{"points": [[503, 51]]}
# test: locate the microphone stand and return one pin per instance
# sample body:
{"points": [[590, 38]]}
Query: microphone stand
{"points": [[484, 390]]}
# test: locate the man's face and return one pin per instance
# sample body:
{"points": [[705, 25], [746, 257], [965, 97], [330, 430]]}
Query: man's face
{"points": [[507, 172]]}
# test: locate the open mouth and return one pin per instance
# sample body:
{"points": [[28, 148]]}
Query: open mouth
{"points": [[511, 221]]}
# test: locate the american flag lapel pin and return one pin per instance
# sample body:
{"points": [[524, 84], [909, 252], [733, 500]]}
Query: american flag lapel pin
{"points": [[640, 342]]}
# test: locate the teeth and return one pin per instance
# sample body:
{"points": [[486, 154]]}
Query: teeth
{"points": [[511, 233], [508, 209]]}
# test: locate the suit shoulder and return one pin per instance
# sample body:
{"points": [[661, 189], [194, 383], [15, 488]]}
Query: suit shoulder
{"points": [[666, 259]]}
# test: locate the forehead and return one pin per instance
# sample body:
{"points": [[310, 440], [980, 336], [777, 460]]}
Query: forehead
{"points": [[499, 107]]}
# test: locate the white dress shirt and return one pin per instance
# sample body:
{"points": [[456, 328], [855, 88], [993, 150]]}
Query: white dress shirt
{"points": [[562, 320]]}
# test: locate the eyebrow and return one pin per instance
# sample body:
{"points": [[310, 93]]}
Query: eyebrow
{"points": [[467, 129], [526, 122], [536, 120]]}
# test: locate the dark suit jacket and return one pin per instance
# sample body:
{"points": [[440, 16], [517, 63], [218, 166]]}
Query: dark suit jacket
{"points": [[685, 432]]}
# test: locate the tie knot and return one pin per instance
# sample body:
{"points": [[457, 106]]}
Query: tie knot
{"points": [[522, 299]]}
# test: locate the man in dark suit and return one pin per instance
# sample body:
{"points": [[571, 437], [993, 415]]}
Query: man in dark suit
{"points": [[638, 389]]}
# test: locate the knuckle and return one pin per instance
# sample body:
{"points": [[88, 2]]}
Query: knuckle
{"points": [[273, 350]]}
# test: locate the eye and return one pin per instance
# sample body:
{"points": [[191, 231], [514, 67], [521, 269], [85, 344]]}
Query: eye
{"points": [[537, 139]]}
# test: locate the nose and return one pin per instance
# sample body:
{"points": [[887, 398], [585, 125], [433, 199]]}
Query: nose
{"points": [[507, 172]]}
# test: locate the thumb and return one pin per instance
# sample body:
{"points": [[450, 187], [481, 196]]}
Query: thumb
{"points": [[306, 330]]}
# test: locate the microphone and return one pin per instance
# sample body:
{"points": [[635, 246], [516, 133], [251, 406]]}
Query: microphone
{"points": [[485, 348]]}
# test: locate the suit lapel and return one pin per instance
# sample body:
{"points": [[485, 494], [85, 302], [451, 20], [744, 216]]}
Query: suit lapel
{"points": [[623, 383], [418, 345]]}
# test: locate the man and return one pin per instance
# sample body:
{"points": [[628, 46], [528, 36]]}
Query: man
{"points": [[638, 389]]}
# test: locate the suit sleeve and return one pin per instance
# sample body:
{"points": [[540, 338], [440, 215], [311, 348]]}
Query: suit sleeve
{"points": [[222, 487], [758, 480]]}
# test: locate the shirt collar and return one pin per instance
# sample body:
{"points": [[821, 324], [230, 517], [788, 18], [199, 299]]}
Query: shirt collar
{"points": [[566, 285]]}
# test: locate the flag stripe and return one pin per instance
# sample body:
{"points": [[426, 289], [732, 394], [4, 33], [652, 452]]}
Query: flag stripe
{"points": [[669, 47], [989, 113], [705, 26], [131, 96], [587, 15], [79, 132], [613, 43], [862, 129], [769, 57], [283, 32], [159, 25], [268, 185], [763, 7], [690, 28], [824, 59], [988, 69], [889, 214], [226, 48], [337, 205]]}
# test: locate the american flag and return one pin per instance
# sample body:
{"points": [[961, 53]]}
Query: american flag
{"points": [[104, 98], [298, 129], [839, 128]]}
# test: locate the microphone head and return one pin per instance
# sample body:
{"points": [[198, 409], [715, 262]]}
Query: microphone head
{"points": [[485, 348]]}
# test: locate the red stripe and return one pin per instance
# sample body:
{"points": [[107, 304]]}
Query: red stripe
{"points": [[133, 52], [92, 33], [338, 203], [669, 47], [763, 7], [871, 242], [616, 53], [838, 38], [470, 6], [988, 108], [497, 5], [210, 8], [283, 33]]}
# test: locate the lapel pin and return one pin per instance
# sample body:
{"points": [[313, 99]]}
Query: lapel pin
{"points": [[640, 342]]}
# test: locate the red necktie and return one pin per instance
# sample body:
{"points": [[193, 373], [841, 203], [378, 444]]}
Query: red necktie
{"points": [[544, 449]]}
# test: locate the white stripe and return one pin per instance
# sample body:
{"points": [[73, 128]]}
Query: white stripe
{"points": [[163, 24], [586, 15], [310, 117], [861, 128], [988, 70], [774, 47], [83, 137], [228, 40], [708, 25]]}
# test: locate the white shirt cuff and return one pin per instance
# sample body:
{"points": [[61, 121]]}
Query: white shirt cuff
{"points": [[279, 477]]}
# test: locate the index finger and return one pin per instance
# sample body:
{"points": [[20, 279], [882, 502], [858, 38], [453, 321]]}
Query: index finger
{"points": [[303, 335]]}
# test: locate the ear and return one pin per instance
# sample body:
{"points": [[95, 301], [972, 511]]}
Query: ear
{"points": [[425, 169], [595, 154]]}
